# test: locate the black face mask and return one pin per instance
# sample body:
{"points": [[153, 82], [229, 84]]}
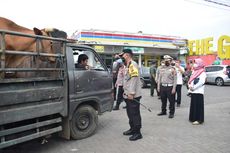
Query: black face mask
{"points": [[123, 60], [167, 63]]}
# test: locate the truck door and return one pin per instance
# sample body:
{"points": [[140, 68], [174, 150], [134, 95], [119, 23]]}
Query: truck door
{"points": [[94, 81]]}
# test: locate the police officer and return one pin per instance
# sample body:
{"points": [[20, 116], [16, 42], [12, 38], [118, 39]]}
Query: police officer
{"points": [[132, 95], [167, 86]]}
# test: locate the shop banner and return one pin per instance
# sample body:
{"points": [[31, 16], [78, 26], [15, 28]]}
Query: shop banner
{"points": [[99, 49], [136, 50]]}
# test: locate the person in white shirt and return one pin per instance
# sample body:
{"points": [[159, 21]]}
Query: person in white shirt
{"points": [[119, 84], [196, 88], [115, 68], [180, 72]]}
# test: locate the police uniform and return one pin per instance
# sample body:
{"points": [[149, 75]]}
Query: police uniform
{"points": [[167, 83], [132, 86]]}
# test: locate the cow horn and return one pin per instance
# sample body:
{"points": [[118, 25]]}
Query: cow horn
{"points": [[49, 29]]}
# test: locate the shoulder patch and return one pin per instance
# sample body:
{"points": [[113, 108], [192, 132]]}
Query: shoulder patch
{"points": [[133, 71]]}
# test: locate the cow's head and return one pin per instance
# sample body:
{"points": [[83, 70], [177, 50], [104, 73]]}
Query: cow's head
{"points": [[48, 45], [53, 32]]}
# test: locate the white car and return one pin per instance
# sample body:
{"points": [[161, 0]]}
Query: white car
{"points": [[218, 74]]}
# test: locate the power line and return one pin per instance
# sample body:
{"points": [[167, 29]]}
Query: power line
{"points": [[224, 1], [217, 3], [200, 3]]}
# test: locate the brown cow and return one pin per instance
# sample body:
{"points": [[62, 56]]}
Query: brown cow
{"points": [[20, 43]]}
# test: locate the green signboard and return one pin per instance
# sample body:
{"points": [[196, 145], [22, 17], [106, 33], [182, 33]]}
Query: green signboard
{"points": [[136, 50]]}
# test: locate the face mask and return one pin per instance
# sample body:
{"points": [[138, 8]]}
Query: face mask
{"points": [[119, 61], [167, 63], [195, 65], [116, 58], [123, 59]]}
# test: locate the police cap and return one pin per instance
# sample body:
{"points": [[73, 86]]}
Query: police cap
{"points": [[129, 51], [167, 58]]}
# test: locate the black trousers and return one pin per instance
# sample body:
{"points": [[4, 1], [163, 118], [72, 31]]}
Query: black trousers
{"points": [[166, 93], [133, 112], [120, 95], [178, 93], [114, 88], [196, 112]]}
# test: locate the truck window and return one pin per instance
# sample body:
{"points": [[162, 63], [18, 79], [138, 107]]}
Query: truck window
{"points": [[93, 61]]}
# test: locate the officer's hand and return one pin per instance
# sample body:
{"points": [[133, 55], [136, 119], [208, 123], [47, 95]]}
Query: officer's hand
{"points": [[177, 65], [158, 88], [130, 97], [173, 91]]}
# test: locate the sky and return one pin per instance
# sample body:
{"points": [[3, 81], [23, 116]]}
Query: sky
{"points": [[190, 19]]}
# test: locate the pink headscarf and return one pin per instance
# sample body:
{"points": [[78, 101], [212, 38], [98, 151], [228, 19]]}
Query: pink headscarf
{"points": [[197, 70]]}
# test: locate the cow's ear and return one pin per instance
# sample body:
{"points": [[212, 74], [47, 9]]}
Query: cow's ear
{"points": [[37, 31]]}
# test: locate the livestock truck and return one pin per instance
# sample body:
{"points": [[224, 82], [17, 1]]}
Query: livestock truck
{"points": [[51, 97]]}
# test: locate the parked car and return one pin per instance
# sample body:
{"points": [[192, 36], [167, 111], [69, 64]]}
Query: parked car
{"points": [[218, 74], [145, 76]]}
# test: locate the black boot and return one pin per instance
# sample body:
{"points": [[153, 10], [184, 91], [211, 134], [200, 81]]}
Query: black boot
{"points": [[171, 115], [162, 113], [128, 132], [137, 135]]}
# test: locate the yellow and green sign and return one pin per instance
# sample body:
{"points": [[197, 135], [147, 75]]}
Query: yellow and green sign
{"points": [[99, 49]]}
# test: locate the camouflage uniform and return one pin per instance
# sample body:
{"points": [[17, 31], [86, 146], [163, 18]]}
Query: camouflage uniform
{"points": [[152, 71]]}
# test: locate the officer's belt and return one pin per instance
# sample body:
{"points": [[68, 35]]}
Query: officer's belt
{"points": [[166, 85]]}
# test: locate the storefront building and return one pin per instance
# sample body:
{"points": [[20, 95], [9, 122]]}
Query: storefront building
{"points": [[146, 47]]}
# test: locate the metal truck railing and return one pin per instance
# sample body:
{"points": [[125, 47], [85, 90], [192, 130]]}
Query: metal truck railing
{"points": [[59, 55]]}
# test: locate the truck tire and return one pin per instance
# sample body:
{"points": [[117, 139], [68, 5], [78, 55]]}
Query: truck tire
{"points": [[84, 122]]}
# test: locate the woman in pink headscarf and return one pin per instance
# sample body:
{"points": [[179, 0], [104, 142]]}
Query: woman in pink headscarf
{"points": [[196, 88]]}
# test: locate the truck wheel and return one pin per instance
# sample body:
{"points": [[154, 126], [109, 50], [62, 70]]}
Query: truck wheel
{"points": [[84, 122]]}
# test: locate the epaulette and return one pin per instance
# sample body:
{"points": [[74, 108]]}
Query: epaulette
{"points": [[133, 71]]}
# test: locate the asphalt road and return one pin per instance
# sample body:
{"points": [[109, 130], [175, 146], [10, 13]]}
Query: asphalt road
{"points": [[160, 134]]}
